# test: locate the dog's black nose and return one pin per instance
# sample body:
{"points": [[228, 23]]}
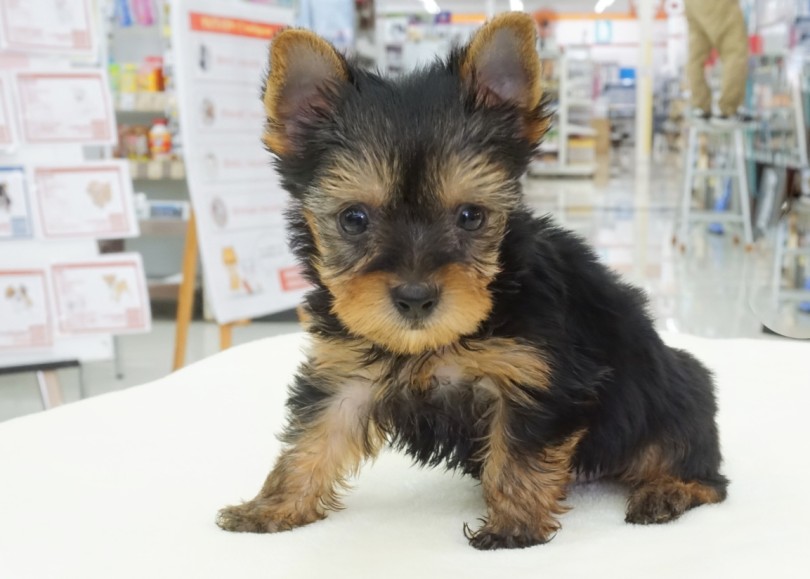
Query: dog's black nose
{"points": [[415, 301]]}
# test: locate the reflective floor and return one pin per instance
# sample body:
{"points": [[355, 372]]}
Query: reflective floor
{"points": [[714, 290]]}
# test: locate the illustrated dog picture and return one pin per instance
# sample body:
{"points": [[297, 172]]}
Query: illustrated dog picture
{"points": [[447, 321]]}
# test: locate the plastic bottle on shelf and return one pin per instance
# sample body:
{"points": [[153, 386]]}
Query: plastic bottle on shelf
{"points": [[128, 81], [160, 140]]}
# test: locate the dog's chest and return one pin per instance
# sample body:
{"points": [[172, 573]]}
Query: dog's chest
{"points": [[440, 405], [445, 380], [439, 416], [437, 406], [486, 369]]}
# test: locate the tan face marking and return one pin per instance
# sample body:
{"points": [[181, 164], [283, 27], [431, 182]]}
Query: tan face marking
{"points": [[366, 178], [364, 304], [474, 179]]}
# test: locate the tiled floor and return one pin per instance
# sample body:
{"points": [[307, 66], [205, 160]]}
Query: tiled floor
{"points": [[714, 290]]}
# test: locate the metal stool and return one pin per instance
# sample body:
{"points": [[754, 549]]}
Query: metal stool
{"points": [[734, 138], [800, 212]]}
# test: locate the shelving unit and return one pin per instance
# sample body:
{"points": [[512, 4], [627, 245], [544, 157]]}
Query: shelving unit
{"points": [[569, 149], [777, 151], [156, 103], [778, 99], [158, 170], [161, 241], [778, 157]]}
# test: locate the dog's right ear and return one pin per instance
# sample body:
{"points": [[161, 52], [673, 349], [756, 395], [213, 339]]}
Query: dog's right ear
{"points": [[306, 75]]}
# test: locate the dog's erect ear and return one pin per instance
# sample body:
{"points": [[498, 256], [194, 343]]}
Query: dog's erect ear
{"points": [[306, 74], [501, 65]]}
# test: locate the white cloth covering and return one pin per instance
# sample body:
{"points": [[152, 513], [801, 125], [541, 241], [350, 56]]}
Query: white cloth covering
{"points": [[128, 485]]}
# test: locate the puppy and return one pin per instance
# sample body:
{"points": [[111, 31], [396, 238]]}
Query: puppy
{"points": [[449, 322]]}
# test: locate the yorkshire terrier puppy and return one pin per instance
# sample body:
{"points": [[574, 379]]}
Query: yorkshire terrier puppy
{"points": [[449, 322]]}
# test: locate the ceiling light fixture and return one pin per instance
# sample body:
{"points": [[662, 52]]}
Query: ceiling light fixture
{"points": [[431, 6], [516, 5], [602, 5]]}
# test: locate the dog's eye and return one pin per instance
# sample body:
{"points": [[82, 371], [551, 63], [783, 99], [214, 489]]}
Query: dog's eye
{"points": [[471, 217], [353, 220]]}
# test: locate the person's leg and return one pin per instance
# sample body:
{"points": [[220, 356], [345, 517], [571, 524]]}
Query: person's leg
{"points": [[732, 44], [699, 48]]}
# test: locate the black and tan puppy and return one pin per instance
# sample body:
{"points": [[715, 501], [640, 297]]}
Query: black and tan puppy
{"points": [[450, 323]]}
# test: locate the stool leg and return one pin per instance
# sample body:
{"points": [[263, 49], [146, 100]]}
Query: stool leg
{"points": [[118, 359], [742, 182], [50, 390], [82, 390], [778, 261], [688, 183]]}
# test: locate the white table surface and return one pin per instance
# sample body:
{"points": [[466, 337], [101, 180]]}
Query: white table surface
{"points": [[128, 484]]}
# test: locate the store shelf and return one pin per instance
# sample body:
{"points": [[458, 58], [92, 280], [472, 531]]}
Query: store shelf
{"points": [[579, 102], [164, 288], [567, 154], [794, 295], [170, 170], [796, 251], [163, 227], [712, 216], [142, 102], [715, 172], [775, 158], [541, 169], [580, 130]]}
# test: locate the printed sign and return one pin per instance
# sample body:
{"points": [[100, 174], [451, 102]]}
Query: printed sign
{"points": [[8, 136], [65, 107], [237, 197], [61, 26], [24, 309], [105, 295], [15, 210], [93, 200]]}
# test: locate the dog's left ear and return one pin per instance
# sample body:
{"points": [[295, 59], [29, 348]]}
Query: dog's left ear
{"points": [[501, 66]]}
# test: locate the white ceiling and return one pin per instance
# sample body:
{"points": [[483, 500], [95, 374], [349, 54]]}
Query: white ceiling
{"points": [[500, 5]]}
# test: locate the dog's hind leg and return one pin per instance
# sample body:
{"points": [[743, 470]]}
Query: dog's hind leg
{"points": [[680, 467], [666, 498]]}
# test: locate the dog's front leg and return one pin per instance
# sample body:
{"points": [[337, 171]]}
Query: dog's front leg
{"points": [[523, 489], [329, 434]]}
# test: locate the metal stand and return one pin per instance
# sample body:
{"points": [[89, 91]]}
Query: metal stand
{"points": [[783, 253], [118, 359], [185, 301], [50, 389], [734, 138]]}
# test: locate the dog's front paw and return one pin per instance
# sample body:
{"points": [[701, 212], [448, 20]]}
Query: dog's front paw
{"points": [[259, 516], [486, 539]]}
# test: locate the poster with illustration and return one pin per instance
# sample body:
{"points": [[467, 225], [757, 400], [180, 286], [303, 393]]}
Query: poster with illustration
{"points": [[8, 136], [51, 26], [105, 295], [65, 107], [15, 209], [25, 319], [92, 200], [237, 197]]}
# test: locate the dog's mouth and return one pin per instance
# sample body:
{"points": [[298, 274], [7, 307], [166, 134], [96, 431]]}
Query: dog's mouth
{"points": [[412, 316]]}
